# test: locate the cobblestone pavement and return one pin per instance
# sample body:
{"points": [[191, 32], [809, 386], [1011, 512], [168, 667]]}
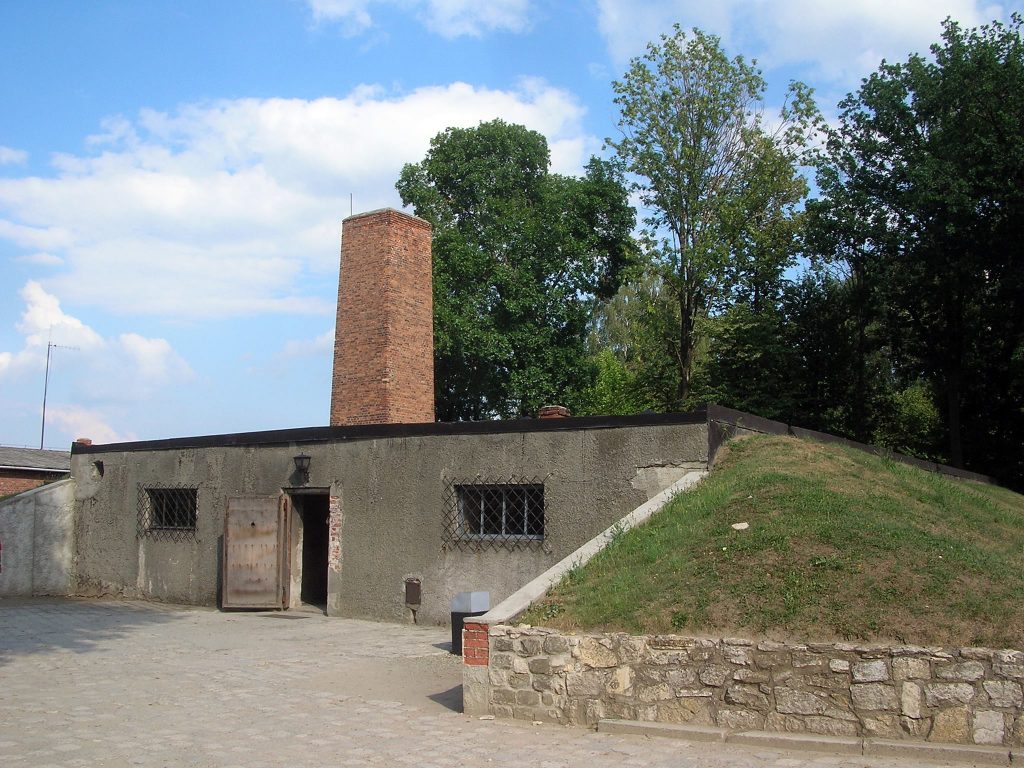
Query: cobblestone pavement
{"points": [[105, 683]]}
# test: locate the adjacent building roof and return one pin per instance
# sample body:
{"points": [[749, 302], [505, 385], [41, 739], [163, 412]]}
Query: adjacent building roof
{"points": [[35, 460]]}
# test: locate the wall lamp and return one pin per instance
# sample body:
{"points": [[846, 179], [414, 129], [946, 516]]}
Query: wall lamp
{"points": [[302, 466]]}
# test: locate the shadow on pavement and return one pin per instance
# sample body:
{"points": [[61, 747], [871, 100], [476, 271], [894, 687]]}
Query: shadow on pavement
{"points": [[37, 625], [450, 699]]}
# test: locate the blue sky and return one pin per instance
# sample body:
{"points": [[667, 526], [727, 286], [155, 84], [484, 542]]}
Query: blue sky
{"points": [[173, 175]]}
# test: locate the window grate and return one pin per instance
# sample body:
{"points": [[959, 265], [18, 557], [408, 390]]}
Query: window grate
{"points": [[168, 513], [494, 514]]}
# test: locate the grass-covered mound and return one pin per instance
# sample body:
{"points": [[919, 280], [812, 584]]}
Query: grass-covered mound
{"points": [[840, 544]]}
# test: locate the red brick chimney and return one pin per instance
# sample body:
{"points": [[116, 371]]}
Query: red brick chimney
{"points": [[384, 337]]}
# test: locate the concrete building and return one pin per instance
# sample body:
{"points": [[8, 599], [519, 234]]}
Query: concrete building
{"points": [[385, 514]]}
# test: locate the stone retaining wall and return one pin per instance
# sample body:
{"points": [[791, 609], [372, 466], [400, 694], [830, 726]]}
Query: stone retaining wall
{"points": [[965, 695]]}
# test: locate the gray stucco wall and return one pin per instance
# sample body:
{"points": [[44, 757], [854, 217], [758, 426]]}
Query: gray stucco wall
{"points": [[36, 529], [391, 497]]}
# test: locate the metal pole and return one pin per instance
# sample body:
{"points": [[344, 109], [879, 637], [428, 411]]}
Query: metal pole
{"points": [[46, 384]]}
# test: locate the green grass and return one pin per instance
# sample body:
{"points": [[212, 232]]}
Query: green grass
{"points": [[841, 544]]}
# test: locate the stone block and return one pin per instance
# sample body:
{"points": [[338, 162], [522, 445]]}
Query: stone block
{"points": [[503, 644], [882, 725], [660, 692], [871, 697], [952, 726], [502, 710], [740, 720], [989, 727], [745, 675], [520, 665], [838, 665], [527, 698], [595, 655], [700, 693], [910, 700], [978, 654], [874, 671], [503, 696], [945, 694], [789, 701], [620, 681], [828, 682], [917, 728], [517, 680], [1003, 693], [967, 671], [736, 654], [1009, 657], [555, 644], [501, 661], [632, 650], [587, 683], [497, 678], [829, 726], [773, 660], [539, 666], [1012, 671], [804, 659], [783, 723], [681, 678], [696, 711], [747, 696], [911, 669], [531, 646], [715, 674]]}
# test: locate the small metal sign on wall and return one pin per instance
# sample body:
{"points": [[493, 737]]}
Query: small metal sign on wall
{"points": [[255, 552]]}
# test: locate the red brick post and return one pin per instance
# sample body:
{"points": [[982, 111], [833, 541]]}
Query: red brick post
{"points": [[384, 337], [474, 644]]}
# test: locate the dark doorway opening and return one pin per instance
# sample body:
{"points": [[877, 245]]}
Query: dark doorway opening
{"points": [[312, 513]]}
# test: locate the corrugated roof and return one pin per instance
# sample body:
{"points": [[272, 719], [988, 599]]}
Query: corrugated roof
{"points": [[33, 458]]}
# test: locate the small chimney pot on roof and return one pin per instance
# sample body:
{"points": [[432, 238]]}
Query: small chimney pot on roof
{"points": [[554, 412]]}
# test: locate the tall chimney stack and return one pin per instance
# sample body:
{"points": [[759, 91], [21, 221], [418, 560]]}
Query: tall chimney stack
{"points": [[384, 337]]}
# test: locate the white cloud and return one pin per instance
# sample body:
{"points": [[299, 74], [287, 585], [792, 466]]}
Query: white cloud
{"points": [[454, 18], [234, 207], [448, 18], [834, 41], [320, 346], [9, 156], [125, 368], [86, 423], [41, 258]]}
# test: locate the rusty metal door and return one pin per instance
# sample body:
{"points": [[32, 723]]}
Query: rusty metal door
{"points": [[256, 552]]}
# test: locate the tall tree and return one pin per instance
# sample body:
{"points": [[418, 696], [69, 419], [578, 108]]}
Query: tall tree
{"points": [[520, 256], [721, 190], [923, 196]]}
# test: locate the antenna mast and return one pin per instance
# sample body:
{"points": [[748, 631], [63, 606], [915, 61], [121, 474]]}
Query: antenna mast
{"points": [[46, 385]]}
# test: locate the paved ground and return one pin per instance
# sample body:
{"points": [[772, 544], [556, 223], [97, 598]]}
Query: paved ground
{"points": [[99, 683]]}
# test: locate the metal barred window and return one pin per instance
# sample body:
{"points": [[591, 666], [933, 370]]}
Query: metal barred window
{"points": [[168, 512], [494, 514]]}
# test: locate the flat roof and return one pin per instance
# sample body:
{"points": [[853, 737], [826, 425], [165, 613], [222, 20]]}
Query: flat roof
{"points": [[380, 431]]}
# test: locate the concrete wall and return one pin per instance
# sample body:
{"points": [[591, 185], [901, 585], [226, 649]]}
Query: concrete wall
{"points": [[387, 499], [36, 529]]}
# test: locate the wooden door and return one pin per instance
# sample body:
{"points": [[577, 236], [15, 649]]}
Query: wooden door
{"points": [[256, 552]]}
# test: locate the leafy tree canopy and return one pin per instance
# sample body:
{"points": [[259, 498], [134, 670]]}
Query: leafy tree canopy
{"points": [[720, 188], [520, 257], [923, 199]]}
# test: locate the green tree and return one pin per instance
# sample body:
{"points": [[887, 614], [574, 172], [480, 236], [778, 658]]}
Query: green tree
{"points": [[923, 197], [520, 257], [721, 191]]}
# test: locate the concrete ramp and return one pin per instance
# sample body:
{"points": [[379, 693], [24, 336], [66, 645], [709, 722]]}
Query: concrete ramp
{"points": [[525, 596], [36, 533]]}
